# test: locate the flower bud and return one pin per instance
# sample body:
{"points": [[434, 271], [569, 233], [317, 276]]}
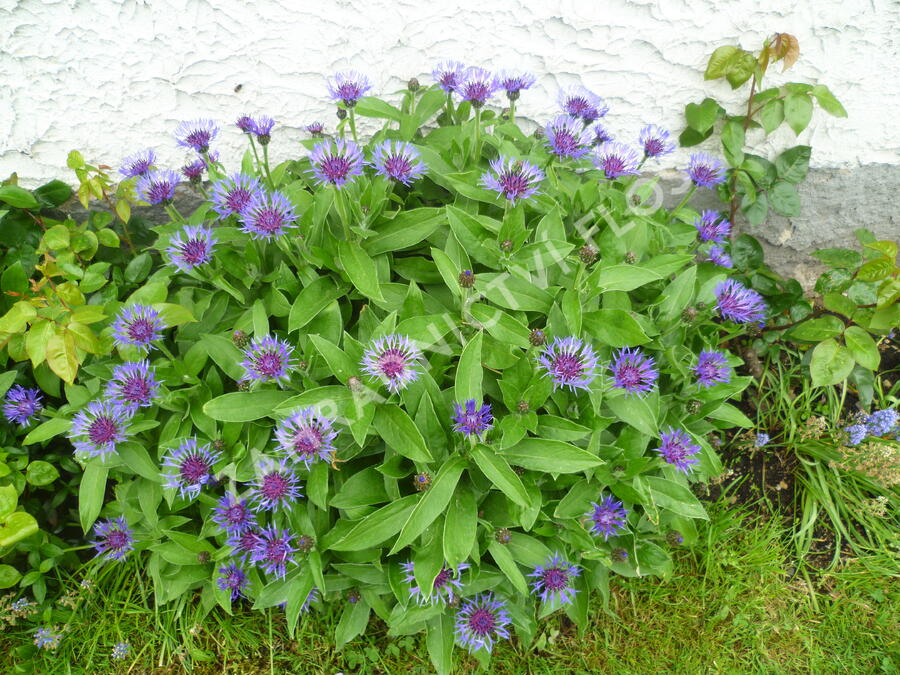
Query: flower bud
{"points": [[620, 555], [674, 538], [353, 597], [630, 258], [503, 535], [506, 245], [694, 406], [588, 254], [354, 384], [203, 557], [689, 314], [413, 84], [240, 339], [466, 279], [523, 407], [518, 470], [244, 385], [306, 543], [341, 114], [538, 133], [537, 337], [422, 481], [219, 444]]}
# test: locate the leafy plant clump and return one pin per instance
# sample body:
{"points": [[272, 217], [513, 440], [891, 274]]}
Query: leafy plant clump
{"points": [[454, 376]]}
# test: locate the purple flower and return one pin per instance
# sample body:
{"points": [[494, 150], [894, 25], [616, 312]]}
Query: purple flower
{"points": [[138, 164], [856, 433], [336, 162], [553, 580], [655, 141], [232, 194], [267, 359], [233, 515], [514, 81], [157, 187], [243, 543], [191, 247], [633, 371], [705, 170], [762, 438], [263, 129], [311, 597], [398, 161], [194, 170], [99, 427], [567, 137], [133, 385], [512, 178], [276, 486], [712, 368], [232, 578], [448, 75], [739, 303], [580, 102], [274, 550], [710, 228], [601, 135], [120, 651], [470, 419], [616, 160], [138, 326], [678, 449], [306, 437], [315, 128], [718, 256], [246, 124], [189, 467], [569, 362], [882, 422], [607, 517], [47, 638], [22, 404], [114, 539], [268, 215], [477, 86], [480, 622], [196, 134], [392, 360], [446, 586], [348, 87]]}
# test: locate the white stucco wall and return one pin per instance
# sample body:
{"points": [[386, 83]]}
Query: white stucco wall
{"points": [[112, 76]]}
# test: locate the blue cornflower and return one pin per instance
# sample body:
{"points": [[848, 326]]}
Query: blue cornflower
{"points": [[553, 580], [120, 651], [514, 81], [273, 550], [712, 368], [306, 436], [616, 160], [138, 164], [446, 586], [263, 129], [99, 427], [478, 85], [114, 539], [448, 75], [569, 362], [22, 404], [705, 170], [471, 419], [633, 371], [392, 360], [856, 433], [480, 622], [514, 179], [276, 486], [567, 137], [268, 215], [191, 247], [607, 517], [138, 326], [601, 134], [246, 124], [189, 467], [232, 578], [311, 597], [739, 303], [243, 543], [398, 161], [315, 129], [196, 134], [231, 195], [677, 448], [47, 638], [882, 422], [762, 438], [157, 187], [655, 141], [348, 87], [711, 228], [718, 256], [336, 162], [133, 385], [194, 171], [267, 359], [233, 515], [582, 103]]}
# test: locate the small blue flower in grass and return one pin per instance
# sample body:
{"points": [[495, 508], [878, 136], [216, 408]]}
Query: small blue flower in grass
{"points": [[348, 87], [233, 579], [718, 256], [336, 162], [705, 170], [514, 81], [553, 580], [712, 368], [99, 427], [655, 141], [478, 86], [233, 515], [480, 622], [856, 433], [138, 164], [196, 134], [471, 419], [447, 584], [569, 362], [311, 597], [231, 195], [607, 518], [398, 161], [120, 651], [157, 187], [739, 303], [677, 448], [711, 227], [583, 103], [392, 360], [616, 160], [243, 543], [514, 179], [47, 638], [273, 550], [22, 404], [633, 371], [762, 438], [267, 359], [138, 326], [567, 137], [448, 75], [133, 385], [191, 247], [113, 538], [276, 486], [882, 422], [268, 215], [189, 467], [306, 436]]}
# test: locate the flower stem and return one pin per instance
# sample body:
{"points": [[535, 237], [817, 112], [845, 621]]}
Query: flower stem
{"points": [[449, 108], [690, 193], [512, 111], [476, 150], [174, 214], [165, 350], [256, 155], [266, 165], [352, 118]]}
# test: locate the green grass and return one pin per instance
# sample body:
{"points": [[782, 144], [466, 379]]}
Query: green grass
{"points": [[735, 605]]}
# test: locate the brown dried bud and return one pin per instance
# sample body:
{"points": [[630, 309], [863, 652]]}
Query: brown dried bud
{"points": [[693, 407], [620, 555], [588, 254], [506, 245], [523, 407], [518, 470], [306, 543], [240, 339], [538, 133], [689, 314], [355, 384], [630, 258], [244, 385], [219, 444], [537, 337], [341, 113], [422, 481], [413, 84], [503, 535], [754, 330], [700, 306], [203, 557], [674, 538], [466, 279]]}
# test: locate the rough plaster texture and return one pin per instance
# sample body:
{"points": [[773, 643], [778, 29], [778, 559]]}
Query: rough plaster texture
{"points": [[112, 76]]}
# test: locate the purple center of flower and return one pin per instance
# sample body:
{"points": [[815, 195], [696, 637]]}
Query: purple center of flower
{"points": [[654, 147], [604, 517], [276, 550], [274, 486], [704, 174], [194, 469], [235, 514], [247, 541], [349, 92], [199, 139], [307, 440], [442, 578], [158, 191], [136, 390], [613, 165], [237, 199], [102, 430], [477, 91], [269, 364], [141, 330], [397, 166], [336, 167], [579, 107], [568, 366], [141, 166], [564, 142], [194, 251], [629, 375], [449, 80], [514, 184], [392, 363], [116, 540], [482, 621], [269, 220], [555, 579]]}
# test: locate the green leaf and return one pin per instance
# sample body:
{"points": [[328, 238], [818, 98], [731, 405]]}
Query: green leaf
{"points": [[839, 257], [18, 197], [341, 365], [40, 473], [500, 325], [797, 111], [701, 117], [245, 406], [862, 347], [135, 457], [614, 327], [62, 357], [772, 115], [498, 471], [747, 253], [369, 106], [91, 491], [353, 622], [311, 301], [634, 410], [460, 526], [469, 372], [432, 503], [57, 237], [816, 330], [439, 641], [360, 268], [16, 527], [9, 498], [720, 61], [784, 199], [827, 101], [675, 497], [505, 562], [54, 193], [138, 269], [47, 430], [6, 381], [793, 164], [729, 414], [400, 433], [757, 212], [679, 294], [733, 142], [876, 270], [831, 363], [406, 229], [549, 456], [623, 277], [9, 576], [377, 527]]}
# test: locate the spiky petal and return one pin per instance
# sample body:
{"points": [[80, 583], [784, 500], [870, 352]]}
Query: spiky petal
{"points": [[448, 75], [655, 141], [231, 195], [138, 164], [398, 160], [113, 539], [392, 360], [99, 427], [157, 187], [276, 486], [633, 371], [607, 518], [712, 227], [478, 86], [191, 247], [567, 136], [233, 515], [447, 584], [267, 359], [348, 86], [336, 162], [22, 404], [616, 160], [189, 467], [233, 579], [712, 368], [480, 622], [306, 436], [720, 257], [196, 134], [677, 448], [514, 179], [553, 580], [268, 215], [274, 550], [583, 103], [739, 303], [569, 362], [471, 419], [138, 326], [705, 170], [133, 385], [514, 81]]}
